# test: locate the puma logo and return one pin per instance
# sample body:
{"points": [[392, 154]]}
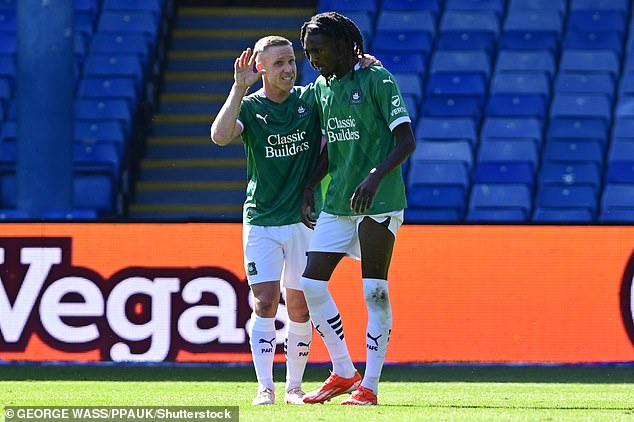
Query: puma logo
{"points": [[388, 81], [375, 339], [270, 342], [263, 118], [302, 344]]}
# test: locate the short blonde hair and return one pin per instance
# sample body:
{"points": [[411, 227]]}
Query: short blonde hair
{"points": [[270, 41]]}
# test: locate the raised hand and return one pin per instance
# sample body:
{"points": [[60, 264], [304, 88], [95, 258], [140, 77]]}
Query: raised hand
{"points": [[244, 72]]}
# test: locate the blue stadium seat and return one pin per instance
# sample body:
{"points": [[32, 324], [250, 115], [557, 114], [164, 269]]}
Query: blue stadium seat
{"points": [[109, 88], [508, 152], [433, 215], [520, 83], [624, 107], [365, 23], [97, 157], [471, 62], [516, 105], [121, 43], [344, 6], [626, 85], [521, 21], [411, 5], [567, 197], [505, 128], [590, 61], [574, 152], [596, 20], [79, 214], [496, 215], [526, 61], [566, 129], [581, 106], [620, 162], [129, 22], [617, 215], [617, 5], [447, 129], [440, 151], [617, 202], [438, 174], [94, 191], [454, 40], [453, 107], [501, 202], [402, 62], [7, 5], [114, 66], [427, 196], [153, 6], [14, 214], [402, 42], [598, 40], [100, 132], [5, 92], [529, 40], [469, 29], [457, 85], [99, 110], [510, 172], [7, 67], [581, 83], [562, 215], [570, 174], [623, 130], [620, 172], [496, 6], [558, 5], [406, 21]]}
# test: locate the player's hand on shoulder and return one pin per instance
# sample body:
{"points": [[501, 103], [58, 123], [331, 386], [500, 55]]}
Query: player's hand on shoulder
{"points": [[368, 60]]}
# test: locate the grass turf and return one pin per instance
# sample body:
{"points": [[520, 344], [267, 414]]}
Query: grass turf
{"points": [[407, 393]]}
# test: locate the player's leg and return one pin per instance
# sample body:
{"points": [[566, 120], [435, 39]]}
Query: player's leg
{"points": [[299, 335], [377, 243], [263, 265], [331, 234]]}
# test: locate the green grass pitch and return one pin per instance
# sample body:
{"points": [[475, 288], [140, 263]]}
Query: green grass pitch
{"points": [[434, 393]]}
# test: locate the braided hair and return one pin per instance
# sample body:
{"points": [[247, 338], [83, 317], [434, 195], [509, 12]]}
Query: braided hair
{"points": [[338, 28]]}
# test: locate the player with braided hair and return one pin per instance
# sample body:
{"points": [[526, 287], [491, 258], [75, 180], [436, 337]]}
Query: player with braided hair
{"points": [[369, 136]]}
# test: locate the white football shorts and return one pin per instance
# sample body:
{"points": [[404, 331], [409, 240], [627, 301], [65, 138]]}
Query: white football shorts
{"points": [[340, 233], [273, 253]]}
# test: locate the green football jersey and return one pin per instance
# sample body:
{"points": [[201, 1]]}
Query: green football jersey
{"points": [[282, 144], [358, 113]]}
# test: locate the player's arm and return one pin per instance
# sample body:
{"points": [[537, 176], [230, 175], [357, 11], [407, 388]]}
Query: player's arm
{"points": [[225, 127], [308, 193], [405, 145]]}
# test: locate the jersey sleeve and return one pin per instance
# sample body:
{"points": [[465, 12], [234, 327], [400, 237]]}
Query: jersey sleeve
{"points": [[388, 98], [243, 117]]}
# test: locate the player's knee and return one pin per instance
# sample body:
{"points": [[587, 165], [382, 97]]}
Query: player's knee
{"points": [[377, 297], [265, 305]]}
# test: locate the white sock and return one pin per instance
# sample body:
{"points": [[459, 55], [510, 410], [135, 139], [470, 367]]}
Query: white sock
{"points": [[263, 344], [296, 345], [327, 322], [377, 301]]}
